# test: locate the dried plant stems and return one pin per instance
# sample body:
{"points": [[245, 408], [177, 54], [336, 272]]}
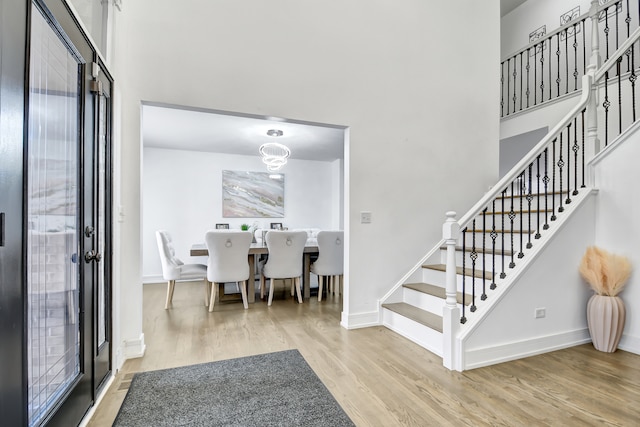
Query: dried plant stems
{"points": [[606, 273]]}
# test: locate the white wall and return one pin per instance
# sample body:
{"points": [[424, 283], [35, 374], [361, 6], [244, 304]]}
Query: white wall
{"points": [[182, 193], [617, 225], [510, 329], [423, 127]]}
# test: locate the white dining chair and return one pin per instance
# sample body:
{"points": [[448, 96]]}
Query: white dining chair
{"points": [[173, 269], [330, 262], [285, 260], [228, 261]]}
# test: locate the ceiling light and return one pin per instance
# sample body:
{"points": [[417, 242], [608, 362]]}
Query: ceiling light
{"points": [[275, 132], [274, 155]]}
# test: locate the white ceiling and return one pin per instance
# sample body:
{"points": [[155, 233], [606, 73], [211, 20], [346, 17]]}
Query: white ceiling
{"points": [[193, 129]]}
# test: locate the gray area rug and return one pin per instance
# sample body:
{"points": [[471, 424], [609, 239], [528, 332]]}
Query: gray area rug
{"points": [[273, 389]]}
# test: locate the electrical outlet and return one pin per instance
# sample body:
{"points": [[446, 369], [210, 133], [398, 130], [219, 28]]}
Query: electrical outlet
{"points": [[365, 217], [540, 312]]}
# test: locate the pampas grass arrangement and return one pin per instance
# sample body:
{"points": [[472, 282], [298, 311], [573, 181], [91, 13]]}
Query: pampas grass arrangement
{"points": [[606, 273]]}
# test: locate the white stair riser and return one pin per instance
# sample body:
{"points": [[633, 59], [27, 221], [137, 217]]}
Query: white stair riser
{"points": [[414, 331], [424, 301]]}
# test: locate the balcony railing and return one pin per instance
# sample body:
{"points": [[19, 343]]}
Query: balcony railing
{"points": [[552, 67]]}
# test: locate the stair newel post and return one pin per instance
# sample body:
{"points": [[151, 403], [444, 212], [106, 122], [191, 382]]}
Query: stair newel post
{"points": [[451, 312], [595, 61], [593, 143]]}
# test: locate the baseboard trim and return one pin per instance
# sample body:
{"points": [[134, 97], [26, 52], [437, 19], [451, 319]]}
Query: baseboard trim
{"points": [[152, 279], [477, 358], [132, 349], [630, 343], [360, 320]]}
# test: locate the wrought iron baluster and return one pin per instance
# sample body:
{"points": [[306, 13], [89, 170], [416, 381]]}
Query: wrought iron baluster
{"points": [[560, 166], [494, 235], [473, 256], [568, 199], [504, 195], [618, 62], [627, 20], [606, 31], [502, 90], [545, 180], [550, 71], [484, 255], [528, 68], [606, 104], [575, 148], [508, 80], [566, 59], [575, 57], [515, 75], [542, 72], [553, 179], [632, 78], [520, 81], [617, 23], [512, 216], [537, 236], [529, 199], [583, 164], [521, 181], [535, 75], [558, 65], [463, 319]]}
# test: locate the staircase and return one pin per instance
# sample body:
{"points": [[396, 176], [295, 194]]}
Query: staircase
{"points": [[418, 315], [457, 296]]}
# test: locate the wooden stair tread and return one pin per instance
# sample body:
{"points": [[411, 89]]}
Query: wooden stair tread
{"points": [[515, 196], [423, 317], [466, 272], [526, 211], [480, 250], [515, 231], [436, 291]]}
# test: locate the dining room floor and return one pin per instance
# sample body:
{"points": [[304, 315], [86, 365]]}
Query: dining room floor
{"points": [[377, 376]]}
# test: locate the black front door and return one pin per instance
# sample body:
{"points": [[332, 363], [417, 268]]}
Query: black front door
{"points": [[67, 220]]}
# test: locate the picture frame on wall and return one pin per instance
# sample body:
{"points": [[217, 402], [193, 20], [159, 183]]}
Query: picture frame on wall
{"points": [[222, 226], [276, 226], [247, 194]]}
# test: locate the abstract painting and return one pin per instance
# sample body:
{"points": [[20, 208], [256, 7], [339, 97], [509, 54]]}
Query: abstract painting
{"points": [[252, 195]]}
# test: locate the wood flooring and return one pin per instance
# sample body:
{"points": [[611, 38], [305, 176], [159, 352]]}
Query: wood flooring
{"points": [[379, 377]]}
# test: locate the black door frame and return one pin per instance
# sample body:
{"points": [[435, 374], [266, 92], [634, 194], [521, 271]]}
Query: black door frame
{"points": [[13, 60], [15, 18]]}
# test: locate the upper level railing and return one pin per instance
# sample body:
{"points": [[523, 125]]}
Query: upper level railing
{"points": [[503, 226], [553, 66]]}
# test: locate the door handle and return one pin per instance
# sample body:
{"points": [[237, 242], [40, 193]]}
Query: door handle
{"points": [[1, 228], [92, 256]]}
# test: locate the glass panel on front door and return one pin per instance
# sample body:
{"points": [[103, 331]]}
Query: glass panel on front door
{"points": [[102, 210], [53, 220]]}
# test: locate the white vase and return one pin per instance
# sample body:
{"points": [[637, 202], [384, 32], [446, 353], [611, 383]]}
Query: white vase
{"points": [[605, 317]]}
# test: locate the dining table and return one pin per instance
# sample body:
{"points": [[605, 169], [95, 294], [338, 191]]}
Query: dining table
{"points": [[255, 250]]}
